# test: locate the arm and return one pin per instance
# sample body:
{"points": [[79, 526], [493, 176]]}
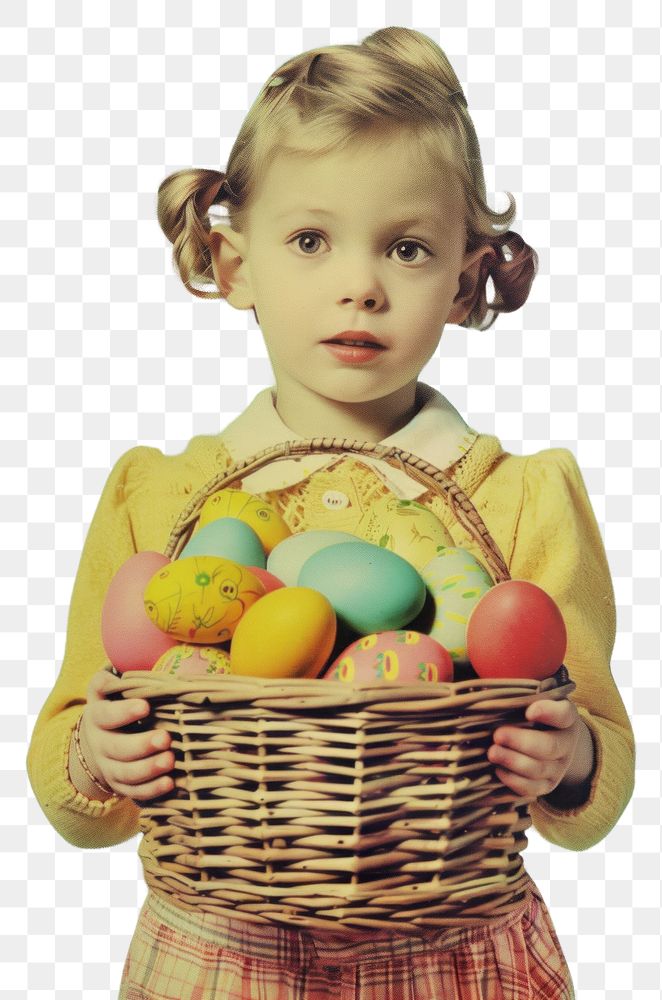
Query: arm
{"points": [[557, 544], [69, 802]]}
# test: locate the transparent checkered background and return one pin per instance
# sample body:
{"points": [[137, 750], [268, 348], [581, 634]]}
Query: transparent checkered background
{"points": [[103, 348]]}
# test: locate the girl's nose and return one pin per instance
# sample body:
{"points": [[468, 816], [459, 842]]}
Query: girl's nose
{"points": [[366, 291]]}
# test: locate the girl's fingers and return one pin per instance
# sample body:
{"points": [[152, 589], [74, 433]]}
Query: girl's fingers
{"points": [[142, 779], [98, 685], [142, 792], [140, 772], [124, 747], [525, 787], [559, 714], [531, 742], [518, 763], [114, 714]]}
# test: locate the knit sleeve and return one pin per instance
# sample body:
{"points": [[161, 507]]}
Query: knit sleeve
{"points": [[558, 545], [110, 542]]}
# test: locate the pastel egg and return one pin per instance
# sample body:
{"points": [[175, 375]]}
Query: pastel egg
{"points": [[456, 581], [288, 633], [392, 657], [130, 638], [287, 558], [201, 599], [267, 579], [229, 538], [405, 527], [370, 588], [264, 519], [184, 660]]}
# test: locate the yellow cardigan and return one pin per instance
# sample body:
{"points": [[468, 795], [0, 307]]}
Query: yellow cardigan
{"points": [[536, 509]]}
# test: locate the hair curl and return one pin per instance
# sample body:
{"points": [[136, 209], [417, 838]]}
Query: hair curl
{"points": [[396, 80]]}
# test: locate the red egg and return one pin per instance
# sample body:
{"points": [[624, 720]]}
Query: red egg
{"points": [[267, 579], [131, 640], [516, 630]]}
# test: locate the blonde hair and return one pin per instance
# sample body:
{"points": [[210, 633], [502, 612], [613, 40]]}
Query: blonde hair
{"points": [[395, 80]]}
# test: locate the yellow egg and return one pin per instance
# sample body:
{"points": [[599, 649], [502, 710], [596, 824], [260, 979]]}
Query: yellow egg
{"points": [[265, 521], [289, 632], [201, 598], [405, 527]]}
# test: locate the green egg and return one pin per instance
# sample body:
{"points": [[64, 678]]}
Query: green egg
{"points": [[457, 581], [370, 588]]}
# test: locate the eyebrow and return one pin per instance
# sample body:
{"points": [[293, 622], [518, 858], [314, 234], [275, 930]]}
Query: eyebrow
{"points": [[403, 222]]}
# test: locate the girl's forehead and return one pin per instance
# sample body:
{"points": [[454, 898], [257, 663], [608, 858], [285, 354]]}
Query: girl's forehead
{"points": [[359, 177]]}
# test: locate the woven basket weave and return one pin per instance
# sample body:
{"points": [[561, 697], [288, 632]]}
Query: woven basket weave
{"points": [[326, 806]]}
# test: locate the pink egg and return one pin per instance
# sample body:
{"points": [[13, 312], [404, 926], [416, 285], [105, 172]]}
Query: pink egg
{"points": [[266, 578], [130, 639], [393, 657]]}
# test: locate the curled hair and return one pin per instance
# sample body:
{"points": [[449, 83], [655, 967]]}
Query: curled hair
{"points": [[397, 81]]}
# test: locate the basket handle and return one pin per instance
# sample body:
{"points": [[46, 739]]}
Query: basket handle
{"points": [[419, 469]]}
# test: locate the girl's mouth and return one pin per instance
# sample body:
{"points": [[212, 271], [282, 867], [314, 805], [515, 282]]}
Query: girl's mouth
{"points": [[353, 353]]}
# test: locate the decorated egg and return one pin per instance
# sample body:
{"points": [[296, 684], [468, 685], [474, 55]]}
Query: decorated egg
{"points": [[185, 660], [370, 588], [267, 579], [228, 538], [288, 633], [392, 657], [200, 599], [287, 558], [130, 638], [516, 630], [405, 527], [456, 581], [264, 519]]}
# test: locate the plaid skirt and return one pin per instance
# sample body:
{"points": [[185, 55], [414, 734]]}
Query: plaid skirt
{"points": [[179, 955]]}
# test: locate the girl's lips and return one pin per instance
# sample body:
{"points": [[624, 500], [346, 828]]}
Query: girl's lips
{"points": [[352, 354]]}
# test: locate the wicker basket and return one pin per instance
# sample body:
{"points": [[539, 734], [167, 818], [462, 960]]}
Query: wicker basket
{"points": [[325, 806]]}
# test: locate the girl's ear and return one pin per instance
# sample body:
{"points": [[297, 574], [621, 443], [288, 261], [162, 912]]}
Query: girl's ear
{"points": [[469, 279], [229, 259]]}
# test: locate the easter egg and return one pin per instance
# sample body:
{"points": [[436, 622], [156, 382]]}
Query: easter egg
{"points": [[130, 638], [228, 538], [392, 657], [287, 558], [288, 633], [265, 521], [185, 660], [405, 527], [267, 579], [370, 588], [200, 599], [456, 581], [516, 630]]}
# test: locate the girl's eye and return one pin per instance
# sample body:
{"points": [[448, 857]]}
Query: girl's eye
{"points": [[410, 245], [305, 236], [309, 241]]}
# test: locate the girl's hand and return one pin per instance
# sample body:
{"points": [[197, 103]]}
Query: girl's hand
{"points": [[532, 762], [129, 763]]}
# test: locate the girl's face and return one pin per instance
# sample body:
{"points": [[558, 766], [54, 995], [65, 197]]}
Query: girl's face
{"points": [[366, 239]]}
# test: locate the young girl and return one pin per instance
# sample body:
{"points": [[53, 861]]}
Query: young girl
{"points": [[357, 229]]}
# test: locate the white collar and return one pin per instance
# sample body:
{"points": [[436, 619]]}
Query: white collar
{"points": [[437, 433]]}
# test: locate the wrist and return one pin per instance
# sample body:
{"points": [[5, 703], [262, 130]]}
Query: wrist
{"points": [[575, 787], [582, 765], [80, 773]]}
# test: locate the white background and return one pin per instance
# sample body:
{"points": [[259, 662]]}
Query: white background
{"points": [[103, 348]]}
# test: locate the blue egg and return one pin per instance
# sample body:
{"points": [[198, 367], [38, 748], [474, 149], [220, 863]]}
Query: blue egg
{"points": [[229, 538], [370, 588], [286, 559]]}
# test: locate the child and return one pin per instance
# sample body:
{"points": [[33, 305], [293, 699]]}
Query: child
{"points": [[358, 229]]}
